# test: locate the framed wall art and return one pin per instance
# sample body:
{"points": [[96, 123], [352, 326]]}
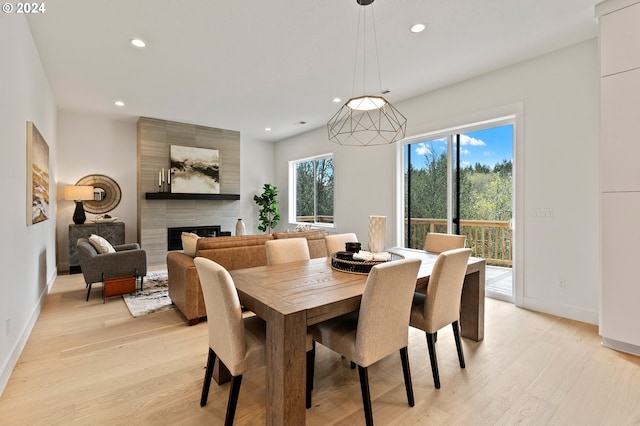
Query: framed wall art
{"points": [[37, 176], [194, 170]]}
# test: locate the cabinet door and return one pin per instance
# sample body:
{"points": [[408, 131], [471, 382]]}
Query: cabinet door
{"points": [[620, 127], [620, 311], [618, 31]]}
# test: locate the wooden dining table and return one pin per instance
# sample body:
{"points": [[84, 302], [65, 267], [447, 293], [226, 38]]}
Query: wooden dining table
{"points": [[292, 296]]}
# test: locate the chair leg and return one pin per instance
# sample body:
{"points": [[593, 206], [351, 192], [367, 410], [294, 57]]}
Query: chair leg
{"points": [[311, 361], [434, 362], [456, 334], [211, 359], [366, 395], [88, 291], [236, 381], [404, 357]]}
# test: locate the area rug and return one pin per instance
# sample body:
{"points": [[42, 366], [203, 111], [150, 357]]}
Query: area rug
{"points": [[154, 296]]}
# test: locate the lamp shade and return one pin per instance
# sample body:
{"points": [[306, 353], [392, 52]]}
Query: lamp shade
{"points": [[78, 192]]}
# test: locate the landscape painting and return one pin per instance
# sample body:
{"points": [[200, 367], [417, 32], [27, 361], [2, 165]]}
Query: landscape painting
{"points": [[194, 170], [37, 176]]}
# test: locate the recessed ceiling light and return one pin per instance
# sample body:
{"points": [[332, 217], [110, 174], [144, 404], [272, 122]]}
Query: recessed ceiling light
{"points": [[267, 129], [417, 28], [138, 43], [336, 100], [119, 103]]}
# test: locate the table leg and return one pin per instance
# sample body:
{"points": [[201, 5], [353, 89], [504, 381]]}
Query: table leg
{"points": [[472, 306], [286, 368], [221, 373]]}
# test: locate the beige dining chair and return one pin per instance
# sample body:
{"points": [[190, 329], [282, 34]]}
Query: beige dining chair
{"points": [[440, 306], [337, 242], [238, 342], [437, 243], [287, 250], [379, 328]]}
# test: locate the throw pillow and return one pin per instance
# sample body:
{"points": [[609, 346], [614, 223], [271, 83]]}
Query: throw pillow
{"points": [[189, 243], [101, 245]]}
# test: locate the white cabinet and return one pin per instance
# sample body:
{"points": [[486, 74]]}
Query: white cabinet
{"points": [[620, 305], [620, 173], [619, 33], [620, 132]]}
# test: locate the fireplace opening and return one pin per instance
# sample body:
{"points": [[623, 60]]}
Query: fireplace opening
{"points": [[174, 235]]}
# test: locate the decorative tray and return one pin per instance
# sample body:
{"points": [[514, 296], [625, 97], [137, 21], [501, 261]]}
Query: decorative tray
{"points": [[341, 261], [104, 219]]}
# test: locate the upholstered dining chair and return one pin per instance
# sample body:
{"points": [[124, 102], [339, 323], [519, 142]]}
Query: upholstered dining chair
{"points": [[336, 242], [437, 243], [440, 306], [287, 250], [238, 342], [379, 328]]}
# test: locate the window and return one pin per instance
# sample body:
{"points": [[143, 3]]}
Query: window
{"points": [[311, 190]]}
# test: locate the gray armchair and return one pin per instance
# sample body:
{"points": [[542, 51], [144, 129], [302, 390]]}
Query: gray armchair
{"points": [[128, 260]]}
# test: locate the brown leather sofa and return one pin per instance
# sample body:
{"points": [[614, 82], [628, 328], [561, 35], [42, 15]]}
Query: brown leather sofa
{"points": [[240, 252]]}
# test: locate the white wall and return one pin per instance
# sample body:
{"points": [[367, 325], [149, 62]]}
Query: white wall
{"points": [[27, 255], [558, 171], [256, 169], [93, 144]]}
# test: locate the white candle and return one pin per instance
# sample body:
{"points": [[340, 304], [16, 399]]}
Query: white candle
{"points": [[162, 174], [159, 178], [169, 176]]}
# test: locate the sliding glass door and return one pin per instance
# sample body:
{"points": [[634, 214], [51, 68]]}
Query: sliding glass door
{"points": [[461, 183]]}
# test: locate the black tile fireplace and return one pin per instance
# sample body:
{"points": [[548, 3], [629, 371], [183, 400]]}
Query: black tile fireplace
{"points": [[174, 235]]}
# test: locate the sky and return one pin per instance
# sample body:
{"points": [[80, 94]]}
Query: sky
{"points": [[487, 146]]}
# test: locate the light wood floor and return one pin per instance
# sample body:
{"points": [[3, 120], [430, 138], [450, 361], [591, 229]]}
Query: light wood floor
{"points": [[89, 363]]}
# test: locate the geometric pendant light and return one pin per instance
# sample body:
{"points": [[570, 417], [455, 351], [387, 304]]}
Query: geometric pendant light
{"points": [[368, 119]]}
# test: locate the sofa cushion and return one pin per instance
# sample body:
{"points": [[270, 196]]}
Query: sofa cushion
{"points": [[100, 244], [189, 243], [315, 239]]}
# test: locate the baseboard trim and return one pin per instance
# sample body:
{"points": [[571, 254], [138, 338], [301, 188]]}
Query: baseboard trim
{"points": [[18, 347], [621, 346], [575, 313]]}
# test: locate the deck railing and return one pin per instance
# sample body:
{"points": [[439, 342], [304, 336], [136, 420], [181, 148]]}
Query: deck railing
{"points": [[491, 240]]}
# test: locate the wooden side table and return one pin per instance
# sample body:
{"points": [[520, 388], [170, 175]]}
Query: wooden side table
{"points": [[112, 232]]}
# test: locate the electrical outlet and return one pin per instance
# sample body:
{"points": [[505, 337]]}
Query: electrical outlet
{"points": [[562, 284]]}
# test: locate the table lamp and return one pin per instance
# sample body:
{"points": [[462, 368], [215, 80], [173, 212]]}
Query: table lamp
{"points": [[78, 193]]}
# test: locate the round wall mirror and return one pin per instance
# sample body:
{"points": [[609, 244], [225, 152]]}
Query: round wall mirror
{"points": [[106, 194]]}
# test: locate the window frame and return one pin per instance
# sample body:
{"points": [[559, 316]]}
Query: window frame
{"points": [[293, 191]]}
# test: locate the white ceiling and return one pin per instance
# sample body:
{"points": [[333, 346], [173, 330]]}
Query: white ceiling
{"points": [[247, 65]]}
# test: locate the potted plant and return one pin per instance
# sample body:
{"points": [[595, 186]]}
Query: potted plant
{"points": [[269, 215]]}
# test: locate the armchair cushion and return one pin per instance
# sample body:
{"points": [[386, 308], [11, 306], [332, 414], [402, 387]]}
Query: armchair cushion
{"points": [[101, 245]]}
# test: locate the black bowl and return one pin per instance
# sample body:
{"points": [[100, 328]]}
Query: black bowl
{"points": [[352, 247], [344, 255]]}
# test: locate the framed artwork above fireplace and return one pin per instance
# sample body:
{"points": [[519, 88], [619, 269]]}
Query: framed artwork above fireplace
{"points": [[194, 170]]}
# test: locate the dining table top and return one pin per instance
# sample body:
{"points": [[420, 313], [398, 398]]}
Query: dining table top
{"points": [[312, 285]]}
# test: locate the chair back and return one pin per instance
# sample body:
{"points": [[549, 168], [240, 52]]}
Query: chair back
{"points": [[337, 242], [383, 321], [287, 250], [437, 243], [442, 304], [224, 314]]}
